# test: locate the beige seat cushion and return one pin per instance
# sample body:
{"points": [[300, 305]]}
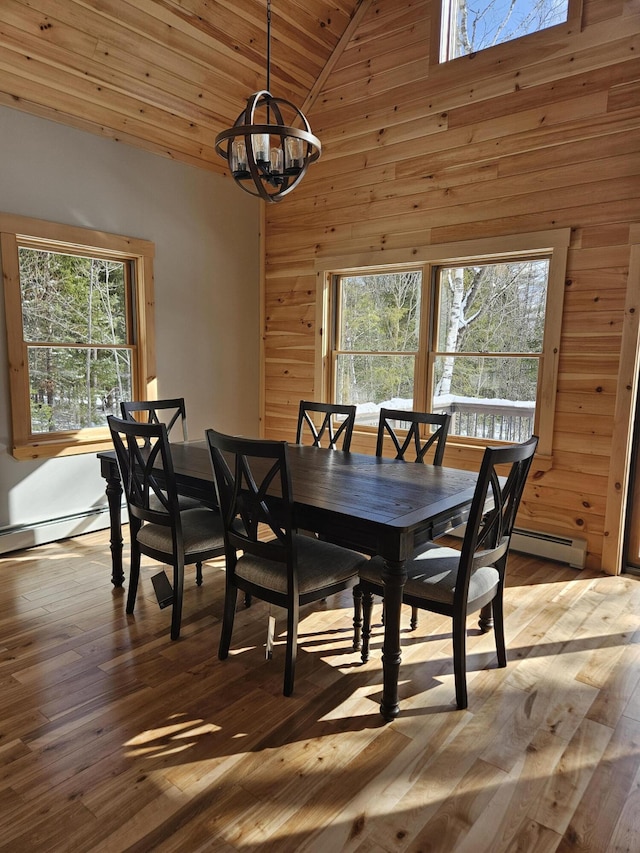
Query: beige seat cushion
{"points": [[201, 531], [320, 564], [432, 574]]}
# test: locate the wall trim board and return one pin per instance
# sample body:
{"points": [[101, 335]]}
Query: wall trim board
{"points": [[21, 536]]}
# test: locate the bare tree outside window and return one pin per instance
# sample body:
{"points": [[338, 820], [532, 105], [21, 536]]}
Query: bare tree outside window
{"points": [[473, 25], [490, 335], [487, 335]]}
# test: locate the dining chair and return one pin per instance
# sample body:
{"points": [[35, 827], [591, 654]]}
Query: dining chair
{"points": [[336, 439], [422, 442], [172, 413], [455, 582], [265, 556], [391, 420], [158, 527]]}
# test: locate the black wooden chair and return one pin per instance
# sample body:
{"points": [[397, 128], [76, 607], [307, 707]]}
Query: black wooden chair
{"points": [[173, 414], [456, 583], [335, 438], [265, 556], [421, 441], [158, 527]]}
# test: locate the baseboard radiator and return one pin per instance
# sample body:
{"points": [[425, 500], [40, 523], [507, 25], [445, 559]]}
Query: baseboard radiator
{"points": [[559, 548], [20, 536]]}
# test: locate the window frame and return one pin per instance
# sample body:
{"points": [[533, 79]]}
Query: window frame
{"points": [[439, 23], [553, 244], [17, 231]]}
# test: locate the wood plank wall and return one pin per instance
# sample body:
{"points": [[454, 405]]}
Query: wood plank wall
{"points": [[540, 133]]}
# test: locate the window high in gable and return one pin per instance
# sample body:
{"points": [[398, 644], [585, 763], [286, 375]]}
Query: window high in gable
{"points": [[468, 26]]}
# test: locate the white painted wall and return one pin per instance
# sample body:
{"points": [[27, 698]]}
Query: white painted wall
{"points": [[205, 231]]}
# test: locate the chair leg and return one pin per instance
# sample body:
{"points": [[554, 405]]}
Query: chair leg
{"points": [[459, 659], [367, 607], [230, 596], [198, 574], [176, 610], [485, 620], [413, 624], [134, 576], [357, 617], [292, 647], [498, 628], [247, 599]]}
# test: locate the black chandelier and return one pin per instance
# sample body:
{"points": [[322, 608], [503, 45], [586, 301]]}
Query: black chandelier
{"points": [[268, 159]]}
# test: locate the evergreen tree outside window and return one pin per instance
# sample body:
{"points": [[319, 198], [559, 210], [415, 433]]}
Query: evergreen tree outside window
{"points": [[378, 338], [79, 318], [74, 320]]}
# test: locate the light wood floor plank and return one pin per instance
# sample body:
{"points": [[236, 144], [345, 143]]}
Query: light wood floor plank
{"points": [[113, 738]]}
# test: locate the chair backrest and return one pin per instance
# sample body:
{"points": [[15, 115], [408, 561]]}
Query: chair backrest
{"points": [[253, 485], [493, 510], [169, 412], [421, 440], [146, 470], [336, 439]]}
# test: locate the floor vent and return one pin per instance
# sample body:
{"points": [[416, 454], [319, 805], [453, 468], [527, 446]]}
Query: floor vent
{"points": [[560, 548]]}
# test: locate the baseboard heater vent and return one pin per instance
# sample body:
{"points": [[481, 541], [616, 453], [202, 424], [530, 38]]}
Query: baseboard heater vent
{"points": [[21, 536], [560, 548]]}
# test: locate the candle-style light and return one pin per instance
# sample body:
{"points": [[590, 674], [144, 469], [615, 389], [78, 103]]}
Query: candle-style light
{"points": [[269, 158]]}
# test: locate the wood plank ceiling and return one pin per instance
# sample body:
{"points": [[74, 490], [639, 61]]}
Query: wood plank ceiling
{"points": [[163, 75]]}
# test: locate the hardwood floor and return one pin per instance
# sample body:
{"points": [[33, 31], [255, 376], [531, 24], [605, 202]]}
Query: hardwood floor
{"points": [[113, 738]]}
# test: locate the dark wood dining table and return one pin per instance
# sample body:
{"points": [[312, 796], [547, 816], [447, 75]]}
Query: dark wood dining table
{"points": [[376, 505]]}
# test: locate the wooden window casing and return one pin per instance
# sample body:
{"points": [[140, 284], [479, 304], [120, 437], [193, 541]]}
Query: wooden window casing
{"points": [[137, 255]]}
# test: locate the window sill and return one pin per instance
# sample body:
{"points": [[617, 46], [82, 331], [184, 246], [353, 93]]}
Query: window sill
{"points": [[48, 448]]}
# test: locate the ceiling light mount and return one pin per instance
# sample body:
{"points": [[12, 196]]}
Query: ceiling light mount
{"points": [[267, 153]]}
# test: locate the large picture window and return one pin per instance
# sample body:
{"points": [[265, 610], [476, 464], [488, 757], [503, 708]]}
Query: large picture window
{"points": [[78, 318], [476, 337], [468, 26]]}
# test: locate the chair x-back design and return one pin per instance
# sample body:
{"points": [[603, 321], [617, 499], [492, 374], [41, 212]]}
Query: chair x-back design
{"points": [[172, 413], [158, 527], [265, 556], [457, 583], [421, 441], [326, 434]]}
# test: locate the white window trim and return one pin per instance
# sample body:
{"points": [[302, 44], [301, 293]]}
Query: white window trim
{"points": [[554, 242], [66, 238]]}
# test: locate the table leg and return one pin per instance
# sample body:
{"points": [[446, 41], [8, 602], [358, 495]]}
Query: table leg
{"points": [[114, 497], [394, 577]]}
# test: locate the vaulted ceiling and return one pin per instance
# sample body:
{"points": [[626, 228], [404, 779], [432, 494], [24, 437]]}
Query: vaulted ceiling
{"points": [[165, 75]]}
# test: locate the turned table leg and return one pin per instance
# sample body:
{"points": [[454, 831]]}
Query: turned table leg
{"points": [[114, 498], [394, 577]]}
